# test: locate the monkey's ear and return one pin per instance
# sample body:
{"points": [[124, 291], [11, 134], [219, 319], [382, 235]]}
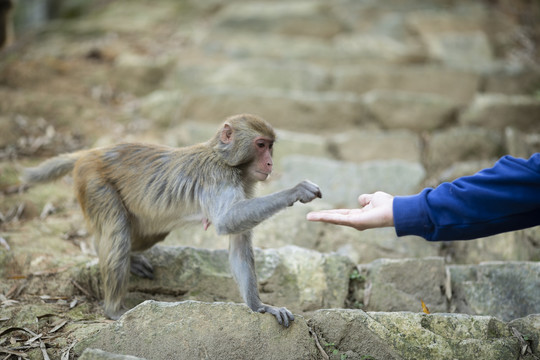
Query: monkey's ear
{"points": [[226, 134]]}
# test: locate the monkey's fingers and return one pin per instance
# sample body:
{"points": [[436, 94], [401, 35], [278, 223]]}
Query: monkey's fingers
{"points": [[283, 316]]}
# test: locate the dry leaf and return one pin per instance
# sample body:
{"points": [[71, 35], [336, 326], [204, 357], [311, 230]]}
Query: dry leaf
{"points": [[424, 307]]}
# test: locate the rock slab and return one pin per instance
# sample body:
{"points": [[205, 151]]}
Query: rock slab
{"points": [[195, 330]]}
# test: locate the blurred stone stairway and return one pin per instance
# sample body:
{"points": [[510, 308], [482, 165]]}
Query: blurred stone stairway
{"points": [[366, 95]]}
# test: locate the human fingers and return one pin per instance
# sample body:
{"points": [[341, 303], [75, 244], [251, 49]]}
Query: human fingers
{"points": [[325, 214], [365, 199], [330, 211], [335, 217]]}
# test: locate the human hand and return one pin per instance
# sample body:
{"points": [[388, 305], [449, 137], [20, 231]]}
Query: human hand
{"points": [[375, 211]]}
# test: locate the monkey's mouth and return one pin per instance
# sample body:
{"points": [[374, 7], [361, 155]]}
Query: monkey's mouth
{"points": [[263, 174]]}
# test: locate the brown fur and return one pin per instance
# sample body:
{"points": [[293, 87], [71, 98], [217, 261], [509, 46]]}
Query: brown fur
{"points": [[133, 195]]}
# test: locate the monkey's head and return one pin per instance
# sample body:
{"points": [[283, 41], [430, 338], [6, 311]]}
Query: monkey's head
{"points": [[247, 141]]}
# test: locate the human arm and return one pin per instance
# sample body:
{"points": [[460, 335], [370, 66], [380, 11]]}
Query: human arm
{"points": [[503, 198]]}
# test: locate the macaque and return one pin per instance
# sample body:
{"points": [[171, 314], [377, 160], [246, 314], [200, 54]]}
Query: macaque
{"points": [[6, 23], [132, 195]]}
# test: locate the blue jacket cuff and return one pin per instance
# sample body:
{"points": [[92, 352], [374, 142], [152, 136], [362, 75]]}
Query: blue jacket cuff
{"points": [[411, 217]]}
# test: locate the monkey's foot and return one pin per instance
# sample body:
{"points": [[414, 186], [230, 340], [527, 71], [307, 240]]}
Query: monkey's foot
{"points": [[283, 316], [141, 267], [115, 314]]}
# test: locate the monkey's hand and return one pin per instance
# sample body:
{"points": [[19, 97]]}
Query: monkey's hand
{"points": [[283, 316], [306, 191]]}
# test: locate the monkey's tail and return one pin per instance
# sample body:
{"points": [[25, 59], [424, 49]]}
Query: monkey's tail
{"points": [[50, 169]]}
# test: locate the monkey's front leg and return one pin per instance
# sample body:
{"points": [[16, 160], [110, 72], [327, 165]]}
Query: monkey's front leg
{"points": [[243, 268]]}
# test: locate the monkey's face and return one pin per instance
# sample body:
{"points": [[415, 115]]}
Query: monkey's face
{"points": [[261, 167]]}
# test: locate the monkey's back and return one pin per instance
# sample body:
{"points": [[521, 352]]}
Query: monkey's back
{"points": [[159, 186]]}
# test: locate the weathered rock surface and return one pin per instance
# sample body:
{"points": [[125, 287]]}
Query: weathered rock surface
{"points": [[404, 110], [191, 328], [293, 277], [461, 144], [156, 330], [415, 335], [312, 111], [498, 111], [507, 290], [385, 288], [369, 145], [460, 86]]}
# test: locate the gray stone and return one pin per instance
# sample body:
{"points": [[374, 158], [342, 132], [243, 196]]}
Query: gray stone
{"points": [[417, 336], [160, 107], [303, 279], [456, 144], [140, 75], [287, 110], [285, 277], [521, 245], [268, 45], [497, 111], [406, 110], [457, 39], [529, 328], [457, 170], [260, 73], [521, 81], [300, 18], [341, 182], [366, 145], [457, 85], [157, 330], [297, 143], [507, 290], [378, 47], [401, 285], [460, 50], [191, 132], [470, 18]]}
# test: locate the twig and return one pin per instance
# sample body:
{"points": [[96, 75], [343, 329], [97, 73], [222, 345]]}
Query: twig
{"points": [[321, 350], [65, 353], [11, 352], [524, 345], [83, 290], [44, 350], [57, 327]]}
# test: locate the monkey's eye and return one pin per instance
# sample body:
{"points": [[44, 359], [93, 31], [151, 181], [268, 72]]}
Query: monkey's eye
{"points": [[260, 145]]}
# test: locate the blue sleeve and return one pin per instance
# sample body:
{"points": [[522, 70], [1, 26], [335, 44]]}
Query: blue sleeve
{"points": [[503, 198]]}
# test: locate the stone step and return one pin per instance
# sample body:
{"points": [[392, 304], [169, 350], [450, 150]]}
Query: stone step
{"points": [[498, 111], [300, 279], [299, 18], [460, 86], [506, 290], [343, 49], [299, 111], [157, 330]]}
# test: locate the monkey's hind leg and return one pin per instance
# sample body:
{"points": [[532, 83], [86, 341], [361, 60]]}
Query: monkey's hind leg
{"points": [[110, 220]]}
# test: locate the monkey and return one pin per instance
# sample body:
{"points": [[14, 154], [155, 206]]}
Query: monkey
{"points": [[132, 195], [6, 25]]}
